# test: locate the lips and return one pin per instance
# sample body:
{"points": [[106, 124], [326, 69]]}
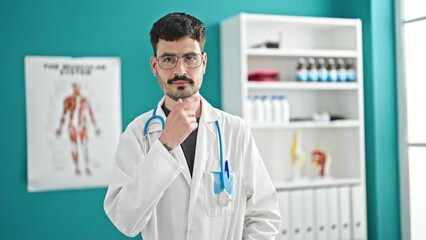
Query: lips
{"points": [[181, 82]]}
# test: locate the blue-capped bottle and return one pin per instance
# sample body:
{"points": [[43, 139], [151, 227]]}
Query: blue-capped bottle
{"points": [[350, 68], [322, 70], [332, 72], [312, 70], [342, 73], [301, 71]]}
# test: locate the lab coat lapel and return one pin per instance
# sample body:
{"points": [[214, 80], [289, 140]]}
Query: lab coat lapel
{"points": [[206, 140], [182, 160]]}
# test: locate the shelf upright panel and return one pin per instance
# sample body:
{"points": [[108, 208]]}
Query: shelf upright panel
{"points": [[233, 96]]}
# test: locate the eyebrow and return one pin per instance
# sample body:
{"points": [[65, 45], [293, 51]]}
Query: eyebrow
{"points": [[168, 54], [173, 54]]}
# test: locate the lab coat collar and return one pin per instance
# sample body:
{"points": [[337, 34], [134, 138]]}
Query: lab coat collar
{"points": [[208, 113]]}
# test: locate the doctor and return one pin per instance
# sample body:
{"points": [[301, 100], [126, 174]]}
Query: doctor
{"points": [[186, 170]]}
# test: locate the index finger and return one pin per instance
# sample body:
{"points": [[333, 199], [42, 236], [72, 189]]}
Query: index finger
{"points": [[190, 103], [177, 105]]}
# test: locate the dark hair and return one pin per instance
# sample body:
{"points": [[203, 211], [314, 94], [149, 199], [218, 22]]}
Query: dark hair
{"points": [[175, 26]]}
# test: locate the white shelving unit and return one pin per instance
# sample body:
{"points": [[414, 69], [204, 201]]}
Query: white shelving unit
{"points": [[302, 53], [344, 139], [302, 86], [290, 185]]}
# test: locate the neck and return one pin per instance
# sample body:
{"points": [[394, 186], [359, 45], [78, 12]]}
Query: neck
{"points": [[195, 103]]}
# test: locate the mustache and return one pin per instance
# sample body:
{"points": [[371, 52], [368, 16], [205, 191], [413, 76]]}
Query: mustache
{"points": [[177, 78]]}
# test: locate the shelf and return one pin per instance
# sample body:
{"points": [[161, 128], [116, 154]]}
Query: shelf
{"points": [[307, 125], [293, 85], [315, 183], [301, 21], [276, 52]]}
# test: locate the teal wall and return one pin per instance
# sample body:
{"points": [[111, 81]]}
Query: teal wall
{"points": [[384, 173], [120, 28], [380, 113]]}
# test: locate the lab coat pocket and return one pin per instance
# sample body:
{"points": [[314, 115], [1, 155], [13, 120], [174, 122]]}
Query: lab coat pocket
{"points": [[212, 188]]}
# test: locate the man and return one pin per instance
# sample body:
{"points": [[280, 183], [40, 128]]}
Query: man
{"points": [[177, 182], [77, 107]]}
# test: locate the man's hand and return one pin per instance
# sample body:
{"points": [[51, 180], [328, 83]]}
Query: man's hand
{"points": [[180, 122]]}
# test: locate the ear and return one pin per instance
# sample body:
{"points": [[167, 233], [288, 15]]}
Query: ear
{"points": [[204, 62], [154, 65]]}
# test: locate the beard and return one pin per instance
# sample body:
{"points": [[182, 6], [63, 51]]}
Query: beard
{"points": [[180, 92]]}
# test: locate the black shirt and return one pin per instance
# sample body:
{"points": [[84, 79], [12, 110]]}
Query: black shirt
{"points": [[188, 146]]}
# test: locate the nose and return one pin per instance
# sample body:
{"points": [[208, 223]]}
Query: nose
{"points": [[180, 68]]}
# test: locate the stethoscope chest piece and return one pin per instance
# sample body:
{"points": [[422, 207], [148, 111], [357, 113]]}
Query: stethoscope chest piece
{"points": [[224, 198]]}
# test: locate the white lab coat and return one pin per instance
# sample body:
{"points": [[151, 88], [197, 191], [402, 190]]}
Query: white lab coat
{"points": [[151, 190]]}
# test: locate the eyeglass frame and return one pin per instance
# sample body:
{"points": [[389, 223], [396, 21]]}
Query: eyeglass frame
{"points": [[176, 57]]}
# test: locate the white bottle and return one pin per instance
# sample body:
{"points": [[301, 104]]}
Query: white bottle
{"points": [[254, 117], [259, 110], [267, 103], [285, 106], [276, 110], [249, 110]]}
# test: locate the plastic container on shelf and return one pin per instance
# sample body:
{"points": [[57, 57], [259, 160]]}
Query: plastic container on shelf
{"points": [[249, 109], [301, 71], [267, 104], [332, 72], [259, 111], [322, 70], [285, 106], [350, 68], [342, 73], [312, 70], [276, 110]]}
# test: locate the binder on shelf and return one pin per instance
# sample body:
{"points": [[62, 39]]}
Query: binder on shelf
{"points": [[308, 214], [284, 204], [345, 213], [333, 213], [321, 216], [296, 214], [358, 216]]}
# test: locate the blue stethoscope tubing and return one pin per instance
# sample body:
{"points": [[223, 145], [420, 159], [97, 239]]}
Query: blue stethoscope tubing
{"points": [[153, 117], [224, 196]]}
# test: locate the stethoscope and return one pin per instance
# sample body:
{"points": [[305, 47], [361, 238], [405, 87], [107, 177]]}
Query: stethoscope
{"points": [[224, 197]]}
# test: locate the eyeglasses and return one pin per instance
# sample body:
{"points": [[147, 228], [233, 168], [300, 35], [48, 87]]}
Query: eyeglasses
{"points": [[169, 61]]}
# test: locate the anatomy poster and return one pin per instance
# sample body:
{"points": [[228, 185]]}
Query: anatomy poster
{"points": [[73, 121]]}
